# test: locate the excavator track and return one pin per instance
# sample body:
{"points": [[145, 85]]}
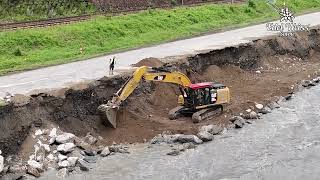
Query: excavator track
{"points": [[175, 113], [207, 113]]}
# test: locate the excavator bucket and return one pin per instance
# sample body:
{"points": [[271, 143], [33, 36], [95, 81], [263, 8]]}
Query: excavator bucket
{"points": [[108, 114]]}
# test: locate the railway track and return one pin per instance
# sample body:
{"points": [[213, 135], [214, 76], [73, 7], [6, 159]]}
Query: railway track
{"points": [[68, 20], [43, 23]]}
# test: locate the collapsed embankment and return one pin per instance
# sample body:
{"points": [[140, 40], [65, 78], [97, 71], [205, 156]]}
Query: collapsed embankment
{"points": [[255, 72]]}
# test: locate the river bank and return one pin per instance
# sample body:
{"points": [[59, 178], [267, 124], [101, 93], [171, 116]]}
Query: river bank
{"points": [[257, 73], [283, 144]]}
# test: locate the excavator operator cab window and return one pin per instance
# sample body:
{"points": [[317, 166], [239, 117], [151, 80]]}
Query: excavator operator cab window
{"points": [[189, 96], [207, 96], [199, 97]]}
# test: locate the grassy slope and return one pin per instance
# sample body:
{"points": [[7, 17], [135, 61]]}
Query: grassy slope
{"points": [[31, 48]]}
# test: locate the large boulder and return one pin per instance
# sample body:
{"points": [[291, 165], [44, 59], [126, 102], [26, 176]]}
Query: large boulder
{"points": [[188, 145], [176, 138], [82, 144], [259, 106], [90, 152], [63, 164], [119, 149], [105, 152], [174, 152], [13, 176], [1, 163], [161, 139], [212, 129], [265, 110], [84, 166], [251, 115], [181, 138], [235, 118], [64, 138], [62, 157], [66, 148], [33, 171], [72, 161], [90, 139], [62, 173], [90, 159], [205, 136], [239, 123], [53, 132], [316, 80], [18, 168], [273, 105], [35, 164], [308, 83]]}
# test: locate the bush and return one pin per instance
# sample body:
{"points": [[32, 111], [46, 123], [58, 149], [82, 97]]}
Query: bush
{"points": [[252, 4], [17, 52], [174, 2]]}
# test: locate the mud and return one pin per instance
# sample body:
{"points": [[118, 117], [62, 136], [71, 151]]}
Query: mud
{"points": [[255, 72]]}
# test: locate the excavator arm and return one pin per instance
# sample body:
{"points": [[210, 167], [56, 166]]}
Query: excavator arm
{"points": [[109, 111]]}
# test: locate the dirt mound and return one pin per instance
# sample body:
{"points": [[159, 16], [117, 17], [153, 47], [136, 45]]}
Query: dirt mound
{"points": [[151, 62], [280, 65]]}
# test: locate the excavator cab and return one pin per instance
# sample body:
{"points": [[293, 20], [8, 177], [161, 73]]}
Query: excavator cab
{"points": [[207, 93], [201, 100]]}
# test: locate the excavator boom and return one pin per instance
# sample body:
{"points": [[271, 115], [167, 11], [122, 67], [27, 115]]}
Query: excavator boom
{"points": [[109, 111]]}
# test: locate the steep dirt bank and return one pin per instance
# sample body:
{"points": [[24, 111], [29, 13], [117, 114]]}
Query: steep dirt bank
{"points": [[255, 72]]}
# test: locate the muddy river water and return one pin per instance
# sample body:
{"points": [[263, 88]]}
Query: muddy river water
{"points": [[284, 144]]}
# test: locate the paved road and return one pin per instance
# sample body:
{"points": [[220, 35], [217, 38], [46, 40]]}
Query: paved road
{"points": [[62, 75]]}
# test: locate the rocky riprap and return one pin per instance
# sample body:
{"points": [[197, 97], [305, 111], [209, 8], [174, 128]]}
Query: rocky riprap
{"points": [[63, 151]]}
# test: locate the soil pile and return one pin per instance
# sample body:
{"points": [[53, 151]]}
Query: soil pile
{"points": [[151, 62], [255, 72]]}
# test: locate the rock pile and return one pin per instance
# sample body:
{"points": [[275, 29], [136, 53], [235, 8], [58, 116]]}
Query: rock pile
{"points": [[184, 142], [62, 151]]}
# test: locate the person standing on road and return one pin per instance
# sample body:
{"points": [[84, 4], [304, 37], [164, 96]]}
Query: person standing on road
{"points": [[111, 65]]}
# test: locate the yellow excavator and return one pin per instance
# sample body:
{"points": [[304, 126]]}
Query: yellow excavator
{"points": [[201, 100]]}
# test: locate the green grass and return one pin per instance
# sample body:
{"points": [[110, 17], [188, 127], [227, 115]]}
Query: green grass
{"points": [[33, 48]]}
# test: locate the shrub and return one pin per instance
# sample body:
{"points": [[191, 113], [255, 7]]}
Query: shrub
{"points": [[252, 4], [17, 52]]}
